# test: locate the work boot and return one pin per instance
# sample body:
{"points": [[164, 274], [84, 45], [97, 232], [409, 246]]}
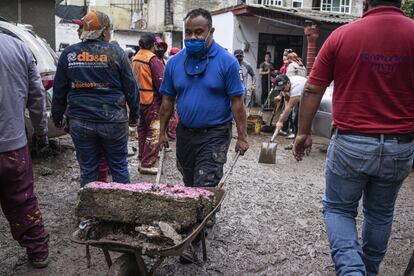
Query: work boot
{"points": [[39, 263], [149, 170]]}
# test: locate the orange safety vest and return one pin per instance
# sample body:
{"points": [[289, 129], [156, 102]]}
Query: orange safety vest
{"points": [[140, 65]]}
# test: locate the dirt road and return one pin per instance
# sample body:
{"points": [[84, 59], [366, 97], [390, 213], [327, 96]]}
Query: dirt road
{"points": [[270, 222]]}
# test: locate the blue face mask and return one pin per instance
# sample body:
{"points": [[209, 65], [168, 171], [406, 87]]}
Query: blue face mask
{"points": [[195, 46]]}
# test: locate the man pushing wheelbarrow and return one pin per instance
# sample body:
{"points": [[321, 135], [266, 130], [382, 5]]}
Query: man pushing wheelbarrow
{"points": [[204, 78]]}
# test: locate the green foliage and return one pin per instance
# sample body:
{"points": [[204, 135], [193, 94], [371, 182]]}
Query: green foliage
{"points": [[408, 8]]}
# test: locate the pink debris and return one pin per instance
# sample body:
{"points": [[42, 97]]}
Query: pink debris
{"points": [[176, 191]]}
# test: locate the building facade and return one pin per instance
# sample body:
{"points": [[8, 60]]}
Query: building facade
{"points": [[131, 18], [23, 11], [259, 27]]}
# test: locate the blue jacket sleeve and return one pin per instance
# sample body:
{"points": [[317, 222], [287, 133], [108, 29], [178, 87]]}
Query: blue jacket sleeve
{"points": [[60, 89], [130, 86]]}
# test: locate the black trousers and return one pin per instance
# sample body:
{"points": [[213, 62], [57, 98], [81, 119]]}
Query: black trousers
{"points": [[265, 89], [202, 153]]}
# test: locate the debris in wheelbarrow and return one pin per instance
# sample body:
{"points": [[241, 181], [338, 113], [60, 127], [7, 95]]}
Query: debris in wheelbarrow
{"points": [[133, 240], [150, 238], [140, 204]]}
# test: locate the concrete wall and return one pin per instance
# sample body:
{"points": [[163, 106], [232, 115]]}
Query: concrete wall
{"points": [[156, 12], [120, 15], [224, 28], [125, 38], [66, 33], [40, 14]]}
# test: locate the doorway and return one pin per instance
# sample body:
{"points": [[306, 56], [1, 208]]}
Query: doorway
{"points": [[276, 44]]}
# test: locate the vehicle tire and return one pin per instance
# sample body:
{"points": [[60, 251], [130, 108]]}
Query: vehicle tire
{"points": [[125, 265]]}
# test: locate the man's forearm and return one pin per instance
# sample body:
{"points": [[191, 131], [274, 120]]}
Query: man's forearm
{"points": [[309, 104], [239, 114], [166, 111]]}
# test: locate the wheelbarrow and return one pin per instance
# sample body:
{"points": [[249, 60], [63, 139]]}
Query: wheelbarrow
{"points": [[132, 261], [409, 271]]}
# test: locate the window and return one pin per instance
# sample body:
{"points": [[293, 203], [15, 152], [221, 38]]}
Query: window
{"points": [[276, 3], [169, 14], [340, 6], [297, 3]]}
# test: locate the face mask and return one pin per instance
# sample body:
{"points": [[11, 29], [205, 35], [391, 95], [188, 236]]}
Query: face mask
{"points": [[196, 46], [159, 53]]}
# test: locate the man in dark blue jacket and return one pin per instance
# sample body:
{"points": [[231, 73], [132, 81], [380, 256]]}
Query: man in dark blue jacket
{"points": [[95, 81]]}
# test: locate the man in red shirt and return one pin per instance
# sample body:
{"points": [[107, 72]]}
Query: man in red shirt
{"points": [[372, 147]]}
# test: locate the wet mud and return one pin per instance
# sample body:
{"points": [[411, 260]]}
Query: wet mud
{"points": [[270, 222]]}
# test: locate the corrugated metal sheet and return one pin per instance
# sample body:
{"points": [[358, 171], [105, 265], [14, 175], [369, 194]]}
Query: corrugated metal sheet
{"points": [[328, 17]]}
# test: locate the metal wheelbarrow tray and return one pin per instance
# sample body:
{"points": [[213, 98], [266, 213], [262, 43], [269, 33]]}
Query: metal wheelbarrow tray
{"points": [[134, 252]]}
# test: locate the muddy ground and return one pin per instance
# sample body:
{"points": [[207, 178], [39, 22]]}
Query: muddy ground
{"points": [[270, 222]]}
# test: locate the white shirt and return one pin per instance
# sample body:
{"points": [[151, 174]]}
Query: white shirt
{"points": [[297, 85]]}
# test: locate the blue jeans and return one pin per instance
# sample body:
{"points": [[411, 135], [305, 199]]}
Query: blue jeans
{"points": [[371, 168], [91, 140]]}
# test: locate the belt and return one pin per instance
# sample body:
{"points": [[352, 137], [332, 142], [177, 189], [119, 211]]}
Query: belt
{"points": [[218, 127], [400, 137]]}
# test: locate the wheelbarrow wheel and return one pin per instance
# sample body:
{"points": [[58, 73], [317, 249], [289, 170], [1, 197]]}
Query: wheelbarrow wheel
{"points": [[124, 265]]}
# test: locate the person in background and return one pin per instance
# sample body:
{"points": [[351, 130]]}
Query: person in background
{"points": [[371, 62], [95, 81], [160, 49], [291, 90], [149, 70], [173, 51], [21, 88], [246, 70], [295, 67], [285, 61], [265, 68]]}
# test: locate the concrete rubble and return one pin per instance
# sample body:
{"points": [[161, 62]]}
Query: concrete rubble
{"points": [[141, 204]]}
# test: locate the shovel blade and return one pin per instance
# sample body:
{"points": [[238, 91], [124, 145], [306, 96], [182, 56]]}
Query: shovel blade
{"points": [[268, 153]]}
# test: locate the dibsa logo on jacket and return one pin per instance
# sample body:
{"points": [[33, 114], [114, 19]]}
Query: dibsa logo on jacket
{"points": [[86, 59]]}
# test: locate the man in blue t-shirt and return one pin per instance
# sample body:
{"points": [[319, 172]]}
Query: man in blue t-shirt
{"points": [[204, 78]]}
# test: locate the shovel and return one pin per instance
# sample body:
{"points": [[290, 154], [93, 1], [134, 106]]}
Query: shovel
{"points": [[268, 150]]}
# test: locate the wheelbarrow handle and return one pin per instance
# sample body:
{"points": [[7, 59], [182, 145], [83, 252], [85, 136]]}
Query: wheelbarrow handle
{"points": [[160, 166], [224, 178]]}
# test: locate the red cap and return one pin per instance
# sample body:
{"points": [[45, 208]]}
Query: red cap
{"points": [[161, 42], [174, 50]]}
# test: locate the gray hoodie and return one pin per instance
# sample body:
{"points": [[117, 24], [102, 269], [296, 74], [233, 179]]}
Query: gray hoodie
{"points": [[20, 87]]}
